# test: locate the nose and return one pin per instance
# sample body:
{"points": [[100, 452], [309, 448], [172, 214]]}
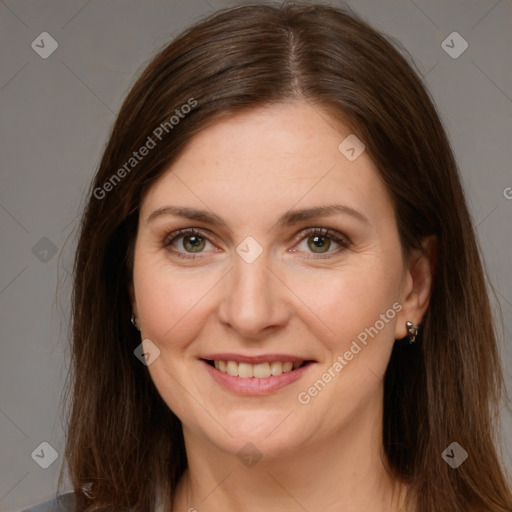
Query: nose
{"points": [[255, 302]]}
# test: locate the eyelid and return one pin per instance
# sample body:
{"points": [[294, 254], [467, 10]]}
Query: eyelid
{"points": [[173, 235], [333, 234]]}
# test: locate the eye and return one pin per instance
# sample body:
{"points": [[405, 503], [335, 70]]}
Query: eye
{"points": [[187, 243], [193, 242], [319, 241]]}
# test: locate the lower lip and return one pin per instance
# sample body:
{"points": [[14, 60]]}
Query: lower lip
{"points": [[254, 386]]}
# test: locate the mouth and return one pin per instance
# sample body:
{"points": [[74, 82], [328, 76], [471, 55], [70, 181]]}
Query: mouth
{"points": [[255, 375]]}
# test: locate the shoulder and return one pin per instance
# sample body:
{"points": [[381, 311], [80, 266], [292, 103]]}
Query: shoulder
{"points": [[62, 503]]}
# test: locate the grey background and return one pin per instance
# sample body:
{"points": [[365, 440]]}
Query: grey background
{"points": [[56, 117]]}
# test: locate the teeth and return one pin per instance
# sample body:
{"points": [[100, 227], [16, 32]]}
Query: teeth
{"points": [[232, 368], [276, 368], [287, 367], [244, 370], [259, 371]]}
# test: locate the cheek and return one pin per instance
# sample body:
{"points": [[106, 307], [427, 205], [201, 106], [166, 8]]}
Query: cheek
{"points": [[170, 306], [169, 301], [358, 311], [350, 300]]}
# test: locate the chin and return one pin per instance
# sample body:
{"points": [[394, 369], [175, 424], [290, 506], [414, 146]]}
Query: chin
{"points": [[265, 434]]}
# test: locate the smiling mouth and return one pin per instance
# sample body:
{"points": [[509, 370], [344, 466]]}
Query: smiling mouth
{"points": [[258, 371]]}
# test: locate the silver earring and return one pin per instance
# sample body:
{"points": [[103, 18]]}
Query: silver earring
{"points": [[133, 321], [413, 331]]}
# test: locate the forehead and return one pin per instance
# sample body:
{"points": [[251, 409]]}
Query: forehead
{"points": [[272, 158]]}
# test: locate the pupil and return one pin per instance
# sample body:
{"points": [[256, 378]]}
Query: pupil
{"points": [[194, 244], [318, 244]]}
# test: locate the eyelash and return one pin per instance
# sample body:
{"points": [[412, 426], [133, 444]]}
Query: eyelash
{"points": [[324, 232]]}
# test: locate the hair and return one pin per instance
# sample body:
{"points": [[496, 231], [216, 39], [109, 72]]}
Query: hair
{"points": [[123, 441]]}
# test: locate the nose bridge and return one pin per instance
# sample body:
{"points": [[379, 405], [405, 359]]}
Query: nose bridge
{"points": [[254, 298]]}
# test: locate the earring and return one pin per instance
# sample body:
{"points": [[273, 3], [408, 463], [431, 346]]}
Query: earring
{"points": [[413, 331], [134, 322]]}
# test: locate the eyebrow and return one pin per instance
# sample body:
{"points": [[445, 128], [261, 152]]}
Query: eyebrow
{"points": [[287, 219]]}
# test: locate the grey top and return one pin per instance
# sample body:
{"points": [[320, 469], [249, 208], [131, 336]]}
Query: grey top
{"points": [[62, 503]]}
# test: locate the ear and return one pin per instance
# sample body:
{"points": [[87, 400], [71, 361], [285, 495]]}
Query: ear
{"points": [[417, 285]]}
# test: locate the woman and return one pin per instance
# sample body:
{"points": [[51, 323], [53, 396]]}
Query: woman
{"points": [[334, 350]]}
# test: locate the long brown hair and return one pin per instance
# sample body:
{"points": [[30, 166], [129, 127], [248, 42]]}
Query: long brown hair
{"points": [[123, 442]]}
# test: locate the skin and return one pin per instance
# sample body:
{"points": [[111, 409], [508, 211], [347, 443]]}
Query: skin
{"points": [[249, 169]]}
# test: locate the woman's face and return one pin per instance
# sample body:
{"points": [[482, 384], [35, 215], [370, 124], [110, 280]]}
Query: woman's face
{"points": [[254, 283]]}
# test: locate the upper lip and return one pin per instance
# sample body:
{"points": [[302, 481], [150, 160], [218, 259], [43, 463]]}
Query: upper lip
{"points": [[263, 358]]}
